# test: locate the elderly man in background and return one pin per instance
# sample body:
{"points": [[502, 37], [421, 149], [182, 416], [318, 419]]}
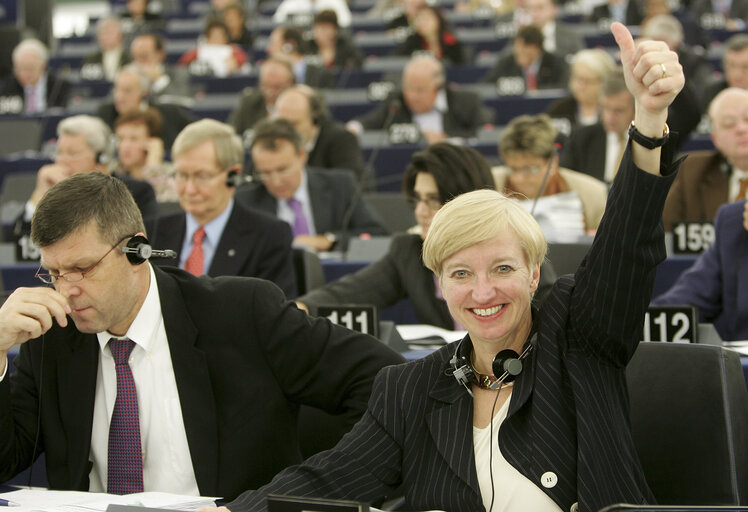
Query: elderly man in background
{"points": [[32, 89], [111, 56]]}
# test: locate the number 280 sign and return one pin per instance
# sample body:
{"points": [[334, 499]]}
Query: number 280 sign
{"points": [[675, 324]]}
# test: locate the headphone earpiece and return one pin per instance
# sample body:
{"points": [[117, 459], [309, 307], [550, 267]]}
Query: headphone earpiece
{"points": [[231, 178], [138, 250], [507, 362]]}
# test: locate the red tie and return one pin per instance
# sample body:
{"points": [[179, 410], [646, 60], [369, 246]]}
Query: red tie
{"points": [[194, 263], [125, 454], [531, 80]]}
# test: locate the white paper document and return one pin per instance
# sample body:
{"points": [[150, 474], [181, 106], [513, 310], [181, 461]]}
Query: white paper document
{"points": [[74, 501]]}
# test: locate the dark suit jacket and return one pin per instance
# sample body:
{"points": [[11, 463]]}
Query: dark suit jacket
{"points": [[250, 109], [585, 151], [331, 194], [717, 284], [346, 53], [553, 72], [569, 40], [568, 412], [252, 245], [738, 9], [336, 148], [244, 359], [58, 90], [96, 59], [175, 119], [400, 274], [701, 188], [465, 113]]}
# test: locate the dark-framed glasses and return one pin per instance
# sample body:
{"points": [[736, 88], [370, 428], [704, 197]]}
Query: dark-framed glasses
{"points": [[434, 203], [75, 275]]}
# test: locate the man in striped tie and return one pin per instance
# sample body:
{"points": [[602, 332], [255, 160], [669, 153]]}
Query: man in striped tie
{"points": [[136, 378]]}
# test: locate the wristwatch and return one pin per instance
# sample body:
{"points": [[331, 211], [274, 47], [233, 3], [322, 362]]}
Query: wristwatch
{"points": [[331, 238], [648, 142]]}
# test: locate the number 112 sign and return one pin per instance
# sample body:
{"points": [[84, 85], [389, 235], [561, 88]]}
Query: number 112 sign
{"points": [[673, 324]]}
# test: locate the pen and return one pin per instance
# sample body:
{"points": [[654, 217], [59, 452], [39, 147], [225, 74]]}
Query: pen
{"points": [[6, 503]]}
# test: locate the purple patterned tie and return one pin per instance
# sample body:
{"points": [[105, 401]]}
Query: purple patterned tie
{"points": [[125, 466], [300, 226]]}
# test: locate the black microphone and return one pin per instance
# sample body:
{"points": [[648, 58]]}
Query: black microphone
{"points": [[394, 107], [145, 251], [556, 148]]}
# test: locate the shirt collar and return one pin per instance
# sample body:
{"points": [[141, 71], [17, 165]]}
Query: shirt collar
{"points": [[143, 329], [440, 104], [214, 228]]}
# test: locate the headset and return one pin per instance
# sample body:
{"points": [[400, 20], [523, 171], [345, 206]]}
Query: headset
{"points": [[138, 250], [506, 365], [106, 155], [234, 179]]}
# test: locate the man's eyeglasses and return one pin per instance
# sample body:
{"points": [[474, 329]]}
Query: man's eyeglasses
{"points": [[434, 203], [75, 275], [199, 179]]}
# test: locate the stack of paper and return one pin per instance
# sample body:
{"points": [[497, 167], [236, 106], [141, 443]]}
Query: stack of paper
{"points": [[72, 501]]}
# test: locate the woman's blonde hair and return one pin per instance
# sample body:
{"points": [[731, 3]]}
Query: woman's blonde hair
{"points": [[476, 217]]}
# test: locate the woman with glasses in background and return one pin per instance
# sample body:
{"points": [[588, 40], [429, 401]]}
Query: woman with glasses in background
{"points": [[434, 176], [567, 204]]}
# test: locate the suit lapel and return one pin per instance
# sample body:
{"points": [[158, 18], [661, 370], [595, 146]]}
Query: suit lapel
{"points": [[231, 253], [77, 366], [451, 429], [322, 201], [193, 384]]}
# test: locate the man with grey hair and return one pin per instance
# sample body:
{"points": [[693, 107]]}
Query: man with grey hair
{"points": [[84, 144], [735, 67], [131, 92], [216, 235], [438, 110], [32, 89], [104, 63]]}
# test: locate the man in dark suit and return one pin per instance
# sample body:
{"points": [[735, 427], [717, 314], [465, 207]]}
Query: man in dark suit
{"points": [[559, 38], [234, 240], [328, 144], [323, 207], [526, 61], [735, 67], [111, 56], [84, 144], [130, 92], [154, 379], [439, 111], [287, 43], [276, 75], [709, 179], [148, 50], [32, 89], [628, 12]]}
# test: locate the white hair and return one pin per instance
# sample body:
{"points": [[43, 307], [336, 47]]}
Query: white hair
{"points": [[95, 131], [32, 45]]}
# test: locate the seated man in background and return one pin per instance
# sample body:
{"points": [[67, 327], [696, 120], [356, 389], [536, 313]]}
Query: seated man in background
{"points": [[438, 110], [32, 89], [276, 75], [131, 92], [149, 53], [287, 43], [216, 235], [104, 63], [434, 176], [716, 283], [567, 204], [709, 179], [83, 145], [153, 379], [526, 60], [327, 143], [323, 207], [140, 152], [735, 67]]}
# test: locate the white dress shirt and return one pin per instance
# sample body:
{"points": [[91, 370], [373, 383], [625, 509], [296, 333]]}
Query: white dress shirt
{"points": [[612, 151], [167, 465], [433, 120]]}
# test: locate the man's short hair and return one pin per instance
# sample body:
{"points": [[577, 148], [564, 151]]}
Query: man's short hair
{"points": [[327, 16], [268, 132], [158, 39], [438, 73], [97, 197], [150, 118], [95, 131], [613, 83], [143, 80], [736, 43], [530, 35], [528, 135], [33, 45], [664, 27], [228, 145]]}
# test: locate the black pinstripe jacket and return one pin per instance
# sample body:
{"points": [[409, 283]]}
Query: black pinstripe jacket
{"points": [[569, 409]]}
